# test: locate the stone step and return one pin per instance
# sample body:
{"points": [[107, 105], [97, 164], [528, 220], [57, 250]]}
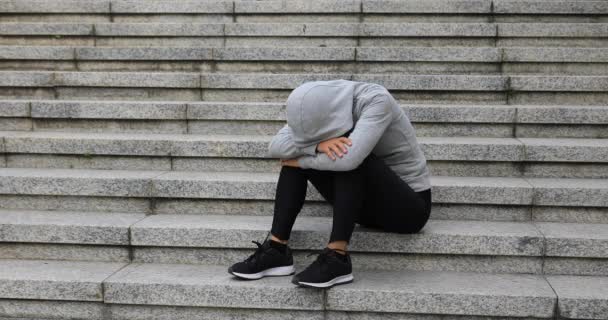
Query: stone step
{"points": [[247, 146], [437, 237], [481, 246], [445, 206], [290, 81], [408, 60], [453, 156], [310, 6], [90, 228], [360, 29], [324, 54], [251, 87], [140, 291], [472, 246], [224, 32], [251, 118], [262, 186], [54, 280]]}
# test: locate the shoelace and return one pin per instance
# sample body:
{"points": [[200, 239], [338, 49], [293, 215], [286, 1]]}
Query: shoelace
{"points": [[321, 258], [256, 254]]}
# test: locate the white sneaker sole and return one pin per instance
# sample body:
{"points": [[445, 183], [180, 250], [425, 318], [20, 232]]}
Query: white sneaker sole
{"points": [[334, 281], [278, 271]]}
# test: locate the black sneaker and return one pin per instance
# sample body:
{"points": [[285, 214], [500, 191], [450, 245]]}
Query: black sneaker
{"points": [[329, 269], [265, 261]]}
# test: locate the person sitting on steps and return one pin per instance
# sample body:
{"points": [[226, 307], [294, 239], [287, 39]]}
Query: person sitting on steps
{"points": [[356, 145]]}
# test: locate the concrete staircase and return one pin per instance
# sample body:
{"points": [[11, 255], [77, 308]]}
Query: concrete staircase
{"points": [[135, 169]]}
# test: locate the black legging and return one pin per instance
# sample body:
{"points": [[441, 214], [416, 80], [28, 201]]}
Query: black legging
{"points": [[372, 195]]}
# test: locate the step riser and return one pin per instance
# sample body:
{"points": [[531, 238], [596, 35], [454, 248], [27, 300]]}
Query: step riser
{"points": [[270, 95], [271, 42], [302, 17], [77, 310], [245, 127], [440, 168], [184, 291], [66, 252], [302, 42], [361, 261], [545, 68], [311, 208], [171, 184], [394, 262]]}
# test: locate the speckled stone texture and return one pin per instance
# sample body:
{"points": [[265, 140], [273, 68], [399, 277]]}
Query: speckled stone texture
{"points": [[432, 6], [14, 108], [428, 54], [570, 192], [123, 183], [66, 227], [552, 29], [109, 109], [558, 54], [97, 53], [436, 82], [550, 7], [54, 280], [261, 185], [581, 297], [25, 78], [127, 79], [366, 260], [566, 150], [481, 190], [275, 111], [50, 28], [59, 6], [197, 285], [243, 146], [36, 53], [142, 312], [38, 309], [437, 237], [575, 239], [166, 7], [134, 167], [158, 29], [297, 6], [446, 293], [284, 54], [266, 81], [427, 30], [559, 83]]}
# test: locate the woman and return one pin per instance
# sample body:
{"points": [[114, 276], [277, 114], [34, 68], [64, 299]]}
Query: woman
{"points": [[358, 148]]}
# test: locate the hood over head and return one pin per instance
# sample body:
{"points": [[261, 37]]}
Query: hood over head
{"points": [[320, 110]]}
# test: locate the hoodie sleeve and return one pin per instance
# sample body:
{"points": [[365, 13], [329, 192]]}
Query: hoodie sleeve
{"points": [[375, 118], [282, 146]]}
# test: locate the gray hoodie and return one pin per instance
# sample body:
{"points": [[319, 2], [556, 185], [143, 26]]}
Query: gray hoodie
{"points": [[320, 110]]}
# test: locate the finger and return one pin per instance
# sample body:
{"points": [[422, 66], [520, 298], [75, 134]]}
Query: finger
{"points": [[336, 150], [342, 146], [330, 154], [345, 140], [339, 147]]}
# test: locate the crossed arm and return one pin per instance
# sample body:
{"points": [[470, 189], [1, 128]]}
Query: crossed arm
{"points": [[375, 118], [281, 145]]}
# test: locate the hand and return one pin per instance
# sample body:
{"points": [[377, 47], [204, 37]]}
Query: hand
{"points": [[290, 162], [334, 145]]}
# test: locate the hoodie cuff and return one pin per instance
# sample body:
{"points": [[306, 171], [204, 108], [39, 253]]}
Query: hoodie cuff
{"points": [[304, 162], [310, 150]]}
